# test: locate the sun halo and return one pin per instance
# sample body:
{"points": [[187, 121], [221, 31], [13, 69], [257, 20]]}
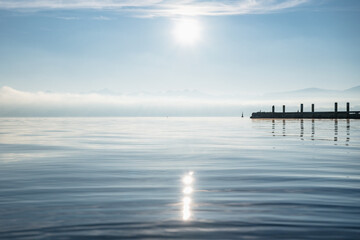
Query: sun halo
{"points": [[187, 31]]}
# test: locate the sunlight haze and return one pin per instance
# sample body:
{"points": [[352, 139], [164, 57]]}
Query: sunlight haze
{"points": [[228, 49]]}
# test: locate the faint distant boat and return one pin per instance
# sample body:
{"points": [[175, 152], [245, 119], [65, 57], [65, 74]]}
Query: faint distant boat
{"points": [[315, 115]]}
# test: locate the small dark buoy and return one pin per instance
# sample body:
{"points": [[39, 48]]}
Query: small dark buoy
{"points": [[242, 114]]}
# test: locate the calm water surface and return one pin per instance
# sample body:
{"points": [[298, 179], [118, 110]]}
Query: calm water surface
{"points": [[185, 178]]}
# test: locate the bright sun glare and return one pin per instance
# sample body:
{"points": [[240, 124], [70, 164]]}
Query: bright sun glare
{"points": [[187, 31]]}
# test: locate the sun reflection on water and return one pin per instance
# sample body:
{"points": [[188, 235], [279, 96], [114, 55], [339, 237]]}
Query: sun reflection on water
{"points": [[188, 179]]}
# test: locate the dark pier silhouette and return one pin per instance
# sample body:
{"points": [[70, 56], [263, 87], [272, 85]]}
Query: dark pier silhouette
{"points": [[314, 115]]}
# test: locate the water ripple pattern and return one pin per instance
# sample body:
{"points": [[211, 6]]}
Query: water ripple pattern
{"points": [[179, 178]]}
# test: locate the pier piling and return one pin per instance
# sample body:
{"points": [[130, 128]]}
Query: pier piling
{"points": [[283, 113], [336, 109], [335, 114], [312, 110]]}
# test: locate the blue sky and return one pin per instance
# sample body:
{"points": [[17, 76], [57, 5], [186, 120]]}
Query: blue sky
{"points": [[246, 47]]}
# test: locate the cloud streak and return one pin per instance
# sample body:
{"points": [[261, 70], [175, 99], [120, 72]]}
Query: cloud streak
{"points": [[155, 8]]}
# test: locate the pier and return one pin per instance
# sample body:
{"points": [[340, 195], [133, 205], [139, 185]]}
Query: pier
{"points": [[313, 114]]}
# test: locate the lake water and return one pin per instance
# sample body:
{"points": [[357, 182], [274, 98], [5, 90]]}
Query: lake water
{"points": [[113, 178]]}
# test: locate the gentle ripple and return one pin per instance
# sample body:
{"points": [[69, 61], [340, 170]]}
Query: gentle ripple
{"points": [[111, 178]]}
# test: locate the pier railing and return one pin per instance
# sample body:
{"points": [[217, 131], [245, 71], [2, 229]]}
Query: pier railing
{"points": [[313, 114]]}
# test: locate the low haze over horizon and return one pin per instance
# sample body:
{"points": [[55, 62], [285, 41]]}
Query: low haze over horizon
{"points": [[221, 48]]}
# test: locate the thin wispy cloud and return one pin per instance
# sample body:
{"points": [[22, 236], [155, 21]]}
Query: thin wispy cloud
{"points": [[154, 8], [69, 18], [101, 18]]}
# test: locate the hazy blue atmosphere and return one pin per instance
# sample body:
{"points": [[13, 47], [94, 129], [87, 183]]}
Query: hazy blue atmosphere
{"points": [[230, 48], [130, 119], [16, 103]]}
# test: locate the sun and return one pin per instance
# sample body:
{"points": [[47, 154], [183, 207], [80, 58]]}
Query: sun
{"points": [[187, 31]]}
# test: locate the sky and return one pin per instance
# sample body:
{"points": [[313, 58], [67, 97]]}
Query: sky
{"points": [[222, 48]]}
